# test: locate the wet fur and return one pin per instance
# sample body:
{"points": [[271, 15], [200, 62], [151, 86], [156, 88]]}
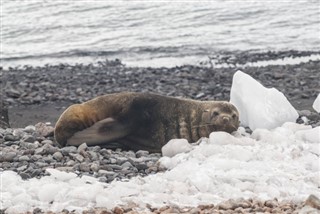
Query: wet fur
{"points": [[142, 121]]}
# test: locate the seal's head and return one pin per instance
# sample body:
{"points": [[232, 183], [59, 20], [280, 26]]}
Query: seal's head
{"points": [[222, 117]]}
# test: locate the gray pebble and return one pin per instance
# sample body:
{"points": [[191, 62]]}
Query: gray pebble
{"points": [[11, 138], [68, 150], [130, 154], [49, 149], [28, 138], [126, 164], [121, 160], [39, 151], [112, 160], [48, 159], [36, 157], [95, 148], [22, 168], [82, 147], [41, 164], [115, 167], [25, 175], [141, 166], [8, 156], [11, 143], [95, 167], [93, 155], [79, 158], [35, 172], [58, 156], [102, 172], [50, 142], [24, 158], [70, 163], [141, 153], [85, 167]]}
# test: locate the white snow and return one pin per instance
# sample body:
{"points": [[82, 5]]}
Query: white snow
{"points": [[316, 104], [175, 146], [282, 162], [260, 107]]}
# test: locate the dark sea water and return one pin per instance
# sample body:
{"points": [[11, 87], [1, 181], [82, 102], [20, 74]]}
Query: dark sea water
{"points": [[152, 32]]}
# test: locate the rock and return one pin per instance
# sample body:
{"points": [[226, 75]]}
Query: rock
{"points": [[25, 175], [58, 156], [48, 149], [95, 167], [24, 158], [28, 138], [22, 168], [228, 205], [8, 156], [126, 164], [141, 153], [10, 137], [118, 210], [13, 93], [68, 150], [44, 130], [39, 151], [82, 147], [84, 167], [313, 201], [29, 129], [141, 166], [79, 158], [93, 155]]}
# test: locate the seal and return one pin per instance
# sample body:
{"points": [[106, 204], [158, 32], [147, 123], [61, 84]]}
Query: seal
{"points": [[142, 121]]}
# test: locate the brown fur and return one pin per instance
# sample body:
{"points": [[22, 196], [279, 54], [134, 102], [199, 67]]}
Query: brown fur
{"points": [[142, 121]]}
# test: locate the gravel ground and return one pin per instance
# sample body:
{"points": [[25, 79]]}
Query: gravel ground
{"points": [[40, 94]]}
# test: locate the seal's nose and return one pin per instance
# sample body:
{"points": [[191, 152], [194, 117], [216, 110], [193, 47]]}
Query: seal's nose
{"points": [[226, 119]]}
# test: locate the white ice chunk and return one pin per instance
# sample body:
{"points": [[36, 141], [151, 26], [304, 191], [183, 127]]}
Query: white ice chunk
{"points": [[48, 192], [63, 176], [310, 135], [316, 104], [175, 146], [260, 107]]}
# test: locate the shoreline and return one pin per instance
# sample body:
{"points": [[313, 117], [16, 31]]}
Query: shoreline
{"points": [[41, 94]]}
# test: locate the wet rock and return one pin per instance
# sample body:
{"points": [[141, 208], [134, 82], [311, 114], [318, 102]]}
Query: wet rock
{"points": [[25, 175], [24, 158], [313, 201], [28, 138], [48, 149], [82, 147], [68, 150], [10, 137], [141, 153], [79, 158], [13, 93], [58, 156], [44, 130], [8, 156]]}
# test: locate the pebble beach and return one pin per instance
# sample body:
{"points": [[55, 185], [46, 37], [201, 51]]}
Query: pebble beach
{"points": [[36, 96]]}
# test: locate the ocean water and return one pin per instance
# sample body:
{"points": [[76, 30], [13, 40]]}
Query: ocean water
{"points": [[146, 32]]}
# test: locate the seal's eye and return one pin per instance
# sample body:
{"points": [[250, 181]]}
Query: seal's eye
{"points": [[234, 116], [215, 113]]}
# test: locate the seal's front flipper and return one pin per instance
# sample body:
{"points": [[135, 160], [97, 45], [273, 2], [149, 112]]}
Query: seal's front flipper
{"points": [[100, 133]]}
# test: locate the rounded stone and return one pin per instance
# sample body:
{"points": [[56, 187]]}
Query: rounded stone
{"points": [[58, 156], [24, 158]]}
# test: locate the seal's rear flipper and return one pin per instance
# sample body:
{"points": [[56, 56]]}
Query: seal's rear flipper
{"points": [[101, 133]]}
